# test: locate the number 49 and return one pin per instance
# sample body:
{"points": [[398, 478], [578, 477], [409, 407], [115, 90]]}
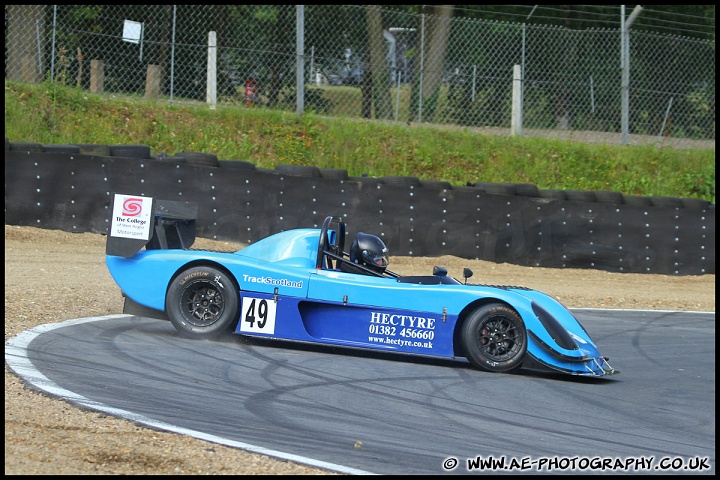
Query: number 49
{"points": [[262, 312]]}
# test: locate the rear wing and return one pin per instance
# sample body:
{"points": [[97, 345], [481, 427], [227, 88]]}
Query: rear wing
{"points": [[139, 222]]}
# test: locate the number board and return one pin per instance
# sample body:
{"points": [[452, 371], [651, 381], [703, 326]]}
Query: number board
{"points": [[257, 315]]}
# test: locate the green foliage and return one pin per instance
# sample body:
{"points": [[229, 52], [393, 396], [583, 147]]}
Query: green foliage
{"points": [[60, 114], [700, 184]]}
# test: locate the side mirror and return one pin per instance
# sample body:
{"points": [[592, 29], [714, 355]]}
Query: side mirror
{"points": [[467, 273]]}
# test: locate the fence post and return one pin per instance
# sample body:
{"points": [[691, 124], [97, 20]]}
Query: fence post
{"points": [[300, 58], [422, 66], [97, 76], [152, 83], [212, 70], [625, 69], [516, 119], [667, 113], [172, 55]]}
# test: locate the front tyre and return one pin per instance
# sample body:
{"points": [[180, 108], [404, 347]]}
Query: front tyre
{"points": [[494, 338], [202, 302]]}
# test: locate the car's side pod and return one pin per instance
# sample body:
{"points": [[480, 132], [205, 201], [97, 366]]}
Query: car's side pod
{"points": [[173, 227]]}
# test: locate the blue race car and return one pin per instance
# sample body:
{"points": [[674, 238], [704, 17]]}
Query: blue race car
{"points": [[301, 285]]}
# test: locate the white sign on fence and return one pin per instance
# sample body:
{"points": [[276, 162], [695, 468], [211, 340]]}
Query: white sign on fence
{"points": [[132, 31]]}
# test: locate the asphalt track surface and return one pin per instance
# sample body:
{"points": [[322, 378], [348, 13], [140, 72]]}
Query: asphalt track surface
{"points": [[354, 412]]}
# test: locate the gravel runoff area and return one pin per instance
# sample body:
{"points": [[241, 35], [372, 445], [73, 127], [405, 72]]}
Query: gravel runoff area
{"points": [[52, 276]]}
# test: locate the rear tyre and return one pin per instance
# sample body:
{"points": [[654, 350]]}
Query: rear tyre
{"points": [[494, 339], [202, 302]]}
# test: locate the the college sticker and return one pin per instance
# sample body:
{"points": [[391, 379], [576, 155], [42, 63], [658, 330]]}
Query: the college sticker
{"points": [[132, 217]]}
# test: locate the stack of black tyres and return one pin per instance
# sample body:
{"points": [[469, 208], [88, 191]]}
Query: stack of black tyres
{"points": [[552, 193], [164, 157], [334, 173], [27, 147], [498, 188], [609, 196], [95, 149], [527, 190], [402, 180], [208, 159], [637, 200], [298, 170], [437, 184], [367, 180], [130, 151], [199, 158], [237, 164], [61, 148]]}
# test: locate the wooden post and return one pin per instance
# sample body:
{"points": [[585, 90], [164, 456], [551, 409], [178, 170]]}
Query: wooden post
{"points": [[97, 76], [29, 69], [152, 84]]}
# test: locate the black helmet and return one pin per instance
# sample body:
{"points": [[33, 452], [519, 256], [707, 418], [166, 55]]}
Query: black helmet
{"points": [[369, 251]]}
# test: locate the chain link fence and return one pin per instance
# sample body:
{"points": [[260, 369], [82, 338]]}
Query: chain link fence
{"points": [[370, 62]]}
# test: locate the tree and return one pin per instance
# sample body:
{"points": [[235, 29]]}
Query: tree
{"points": [[377, 73], [434, 30]]}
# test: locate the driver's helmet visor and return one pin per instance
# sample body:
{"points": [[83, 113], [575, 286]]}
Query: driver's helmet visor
{"points": [[378, 259]]}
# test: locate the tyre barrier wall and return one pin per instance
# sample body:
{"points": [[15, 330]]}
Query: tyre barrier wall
{"points": [[60, 187]]}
